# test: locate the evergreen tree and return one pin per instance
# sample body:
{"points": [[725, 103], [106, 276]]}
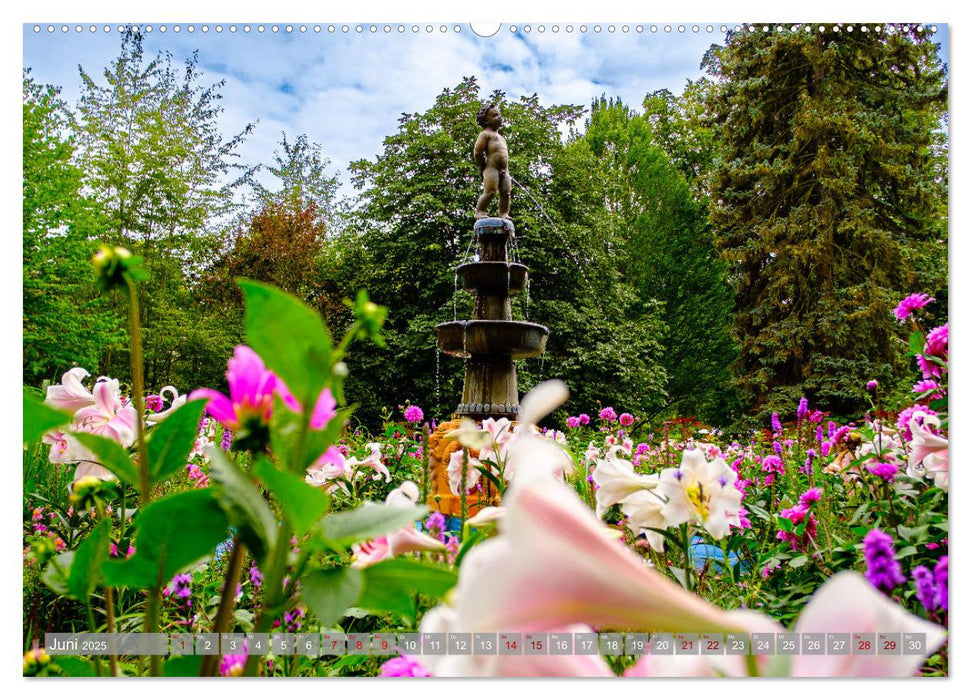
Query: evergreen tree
{"points": [[829, 201], [667, 253]]}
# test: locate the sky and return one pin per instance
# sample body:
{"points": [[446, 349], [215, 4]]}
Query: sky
{"points": [[347, 90]]}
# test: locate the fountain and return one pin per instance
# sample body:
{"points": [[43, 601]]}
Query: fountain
{"points": [[491, 341]]}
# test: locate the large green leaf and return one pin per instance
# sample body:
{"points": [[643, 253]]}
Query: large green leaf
{"points": [[290, 338], [172, 533], [111, 456], [391, 585], [86, 568], [302, 503], [57, 571], [38, 418], [329, 592], [368, 521], [243, 503], [182, 666], [169, 444]]}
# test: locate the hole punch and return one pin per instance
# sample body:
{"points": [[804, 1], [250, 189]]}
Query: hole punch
{"points": [[485, 29]]}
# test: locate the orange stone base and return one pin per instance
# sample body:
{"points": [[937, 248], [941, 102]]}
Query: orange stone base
{"points": [[440, 496]]}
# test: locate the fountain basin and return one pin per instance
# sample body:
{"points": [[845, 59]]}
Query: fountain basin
{"points": [[494, 278], [516, 339]]}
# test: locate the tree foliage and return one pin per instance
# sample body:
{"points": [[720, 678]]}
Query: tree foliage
{"points": [[65, 321], [828, 203], [667, 250]]}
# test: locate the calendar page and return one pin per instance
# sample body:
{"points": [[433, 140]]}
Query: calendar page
{"points": [[440, 349]]}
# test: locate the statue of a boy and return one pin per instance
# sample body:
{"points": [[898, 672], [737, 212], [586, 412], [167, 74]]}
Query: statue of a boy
{"points": [[492, 157]]}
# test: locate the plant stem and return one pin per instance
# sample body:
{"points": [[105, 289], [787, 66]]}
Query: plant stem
{"points": [[686, 543], [273, 589], [424, 463], [91, 626], [227, 602], [463, 496], [138, 391]]}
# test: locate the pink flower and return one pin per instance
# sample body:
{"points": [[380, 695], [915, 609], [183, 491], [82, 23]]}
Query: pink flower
{"points": [[928, 451], [927, 367], [608, 415], [70, 395], [413, 414], [111, 416], [937, 342], [403, 667], [251, 390], [626, 420], [404, 539], [908, 305]]}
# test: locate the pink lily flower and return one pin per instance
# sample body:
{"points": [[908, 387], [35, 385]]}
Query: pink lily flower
{"points": [[928, 449], [111, 415], [554, 565], [848, 603], [404, 539], [70, 395]]}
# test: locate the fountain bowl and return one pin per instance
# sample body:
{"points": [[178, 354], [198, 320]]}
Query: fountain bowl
{"points": [[495, 278], [516, 339]]}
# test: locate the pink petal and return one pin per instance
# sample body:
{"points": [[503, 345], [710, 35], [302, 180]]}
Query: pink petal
{"points": [[219, 406], [246, 373], [324, 410], [408, 539], [554, 565], [847, 603]]}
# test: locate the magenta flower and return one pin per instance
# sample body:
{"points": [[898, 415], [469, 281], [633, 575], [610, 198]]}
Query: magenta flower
{"points": [[626, 420], [776, 423], [937, 342], [872, 385], [803, 409], [251, 390], [924, 585], [584, 419], [573, 422], [403, 667], [910, 304], [413, 414], [925, 385], [608, 414], [810, 496], [884, 470]]}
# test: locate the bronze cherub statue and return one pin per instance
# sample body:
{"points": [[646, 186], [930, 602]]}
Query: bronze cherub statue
{"points": [[492, 157]]}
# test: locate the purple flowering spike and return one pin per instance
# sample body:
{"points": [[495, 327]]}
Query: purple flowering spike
{"points": [[882, 568], [940, 581], [926, 590]]}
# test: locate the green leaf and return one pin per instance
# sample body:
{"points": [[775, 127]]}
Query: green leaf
{"points": [[487, 473], [290, 338], [798, 561], [907, 551], [74, 667], [391, 585], [182, 666], [329, 592], [243, 503], [169, 444], [86, 568], [57, 571], [319, 440], [917, 343], [111, 456], [172, 533], [784, 524], [473, 538], [302, 503], [368, 521], [39, 419]]}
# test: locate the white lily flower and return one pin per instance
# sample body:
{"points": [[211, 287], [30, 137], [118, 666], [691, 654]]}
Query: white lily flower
{"points": [[617, 480], [702, 492]]}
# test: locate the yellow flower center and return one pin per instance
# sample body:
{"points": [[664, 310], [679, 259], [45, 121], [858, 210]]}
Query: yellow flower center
{"points": [[698, 500]]}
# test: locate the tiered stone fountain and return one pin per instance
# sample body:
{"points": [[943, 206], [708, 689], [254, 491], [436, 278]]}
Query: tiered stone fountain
{"points": [[490, 343]]}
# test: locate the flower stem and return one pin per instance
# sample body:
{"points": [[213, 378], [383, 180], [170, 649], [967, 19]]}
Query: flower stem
{"points": [[274, 596], [138, 390], [463, 496], [686, 543], [227, 602]]}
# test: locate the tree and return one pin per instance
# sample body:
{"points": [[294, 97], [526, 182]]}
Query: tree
{"points": [[828, 203], [156, 162], [414, 226], [301, 168], [65, 321], [668, 251]]}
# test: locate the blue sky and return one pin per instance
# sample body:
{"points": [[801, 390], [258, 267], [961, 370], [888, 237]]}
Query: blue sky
{"points": [[347, 90]]}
